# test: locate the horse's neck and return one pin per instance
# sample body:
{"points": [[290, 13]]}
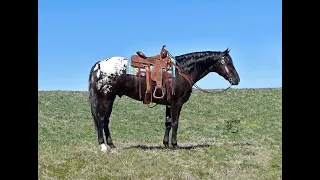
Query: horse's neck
{"points": [[198, 73], [197, 70]]}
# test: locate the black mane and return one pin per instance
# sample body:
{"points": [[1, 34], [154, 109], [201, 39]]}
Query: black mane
{"points": [[204, 58]]}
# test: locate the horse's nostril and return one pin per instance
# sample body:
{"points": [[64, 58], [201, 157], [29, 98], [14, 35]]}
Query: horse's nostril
{"points": [[236, 82]]}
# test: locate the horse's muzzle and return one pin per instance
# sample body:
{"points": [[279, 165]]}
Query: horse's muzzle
{"points": [[234, 81]]}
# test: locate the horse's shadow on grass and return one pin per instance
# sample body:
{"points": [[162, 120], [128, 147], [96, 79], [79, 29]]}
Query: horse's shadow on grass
{"points": [[185, 147]]}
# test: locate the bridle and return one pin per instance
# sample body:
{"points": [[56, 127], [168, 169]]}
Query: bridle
{"points": [[187, 77], [222, 61]]}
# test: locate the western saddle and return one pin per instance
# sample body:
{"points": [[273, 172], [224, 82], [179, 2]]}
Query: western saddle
{"points": [[154, 67]]}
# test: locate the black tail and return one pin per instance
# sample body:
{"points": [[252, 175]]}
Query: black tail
{"points": [[93, 100]]}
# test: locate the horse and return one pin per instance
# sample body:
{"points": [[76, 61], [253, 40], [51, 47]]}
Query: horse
{"points": [[108, 79]]}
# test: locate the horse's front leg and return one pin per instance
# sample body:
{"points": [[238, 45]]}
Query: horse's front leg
{"points": [[175, 113], [168, 126]]}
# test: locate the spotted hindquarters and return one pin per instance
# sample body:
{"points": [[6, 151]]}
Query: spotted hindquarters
{"points": [[104, 74], [104, 85]]}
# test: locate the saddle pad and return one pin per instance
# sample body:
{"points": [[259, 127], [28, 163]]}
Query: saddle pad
{"points": [[134, 70]]}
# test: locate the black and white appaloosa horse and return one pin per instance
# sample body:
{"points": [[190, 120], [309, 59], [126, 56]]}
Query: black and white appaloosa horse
{"points": [[108, 78]]}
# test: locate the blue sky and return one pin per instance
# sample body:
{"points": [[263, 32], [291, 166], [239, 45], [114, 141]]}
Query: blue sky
{"points": [[74, 34]]}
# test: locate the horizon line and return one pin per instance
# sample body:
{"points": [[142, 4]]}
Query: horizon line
{"points": [[192, 88]]}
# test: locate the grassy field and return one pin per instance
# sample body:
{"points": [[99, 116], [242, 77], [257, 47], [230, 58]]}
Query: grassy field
{"points": [[234, 135]]}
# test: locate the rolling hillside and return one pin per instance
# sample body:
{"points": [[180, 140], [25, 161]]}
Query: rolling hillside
{"points": [[232, 135]]}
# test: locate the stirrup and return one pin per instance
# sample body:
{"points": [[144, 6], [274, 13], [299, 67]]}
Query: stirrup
{"points": [[155, 90]]}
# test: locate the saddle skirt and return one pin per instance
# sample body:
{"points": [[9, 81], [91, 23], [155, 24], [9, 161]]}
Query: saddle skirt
{"points": [[133, 70], [156, 69]]}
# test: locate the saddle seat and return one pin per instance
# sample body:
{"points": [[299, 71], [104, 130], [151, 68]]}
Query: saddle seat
{"points": [[151, 58], [154, 67]]}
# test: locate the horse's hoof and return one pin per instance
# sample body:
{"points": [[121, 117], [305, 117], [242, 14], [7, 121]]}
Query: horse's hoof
{"points": [[166, 146], [112, 146], [103, 148], [175, 146]]}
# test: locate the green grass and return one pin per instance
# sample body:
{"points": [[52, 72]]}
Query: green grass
{"points": [[234, 135]]}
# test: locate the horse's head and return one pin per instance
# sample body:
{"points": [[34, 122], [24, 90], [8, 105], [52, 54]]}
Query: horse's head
{"points": [[224, 67]]}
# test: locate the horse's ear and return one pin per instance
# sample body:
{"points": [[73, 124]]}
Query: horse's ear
{"points": [[225, 52]]}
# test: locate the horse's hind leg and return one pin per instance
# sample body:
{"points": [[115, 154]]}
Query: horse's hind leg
{"points": [[104, 112], [109, 104], [101, 108], [95, 108]]}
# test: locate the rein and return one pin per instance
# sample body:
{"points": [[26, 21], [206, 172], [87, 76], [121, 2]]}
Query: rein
{"points": [[181, 72], [187, 77]]}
